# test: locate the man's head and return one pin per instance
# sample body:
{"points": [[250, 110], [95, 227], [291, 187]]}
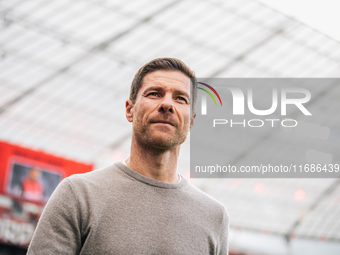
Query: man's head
{"points": [[34, 174], [159, 104], [165, 64]]}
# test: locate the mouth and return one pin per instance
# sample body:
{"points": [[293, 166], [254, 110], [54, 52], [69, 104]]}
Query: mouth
{"points": [[162, 122]]}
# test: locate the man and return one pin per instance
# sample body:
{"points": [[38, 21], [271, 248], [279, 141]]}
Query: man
{"points": [[31, 186], [141, 205]]}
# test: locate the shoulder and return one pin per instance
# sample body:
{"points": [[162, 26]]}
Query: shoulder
{"points": [[208, 212], [95, 177], [204, 198], [209, 206], [97, 183]]}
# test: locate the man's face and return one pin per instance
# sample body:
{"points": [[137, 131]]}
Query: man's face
{"points": [[161, 112], [34, 175]]}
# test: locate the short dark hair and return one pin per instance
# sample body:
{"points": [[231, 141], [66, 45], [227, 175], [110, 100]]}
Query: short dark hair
{"points": [[165, 64]]}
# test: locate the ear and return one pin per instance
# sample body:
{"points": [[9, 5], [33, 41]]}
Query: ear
{"points": [[192, 120], [129, 110]]}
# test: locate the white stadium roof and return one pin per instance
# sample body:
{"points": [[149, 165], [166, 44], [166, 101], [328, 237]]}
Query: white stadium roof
{"points": [[66, 68]]}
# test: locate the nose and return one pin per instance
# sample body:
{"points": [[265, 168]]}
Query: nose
{"points": [[166, 105]]}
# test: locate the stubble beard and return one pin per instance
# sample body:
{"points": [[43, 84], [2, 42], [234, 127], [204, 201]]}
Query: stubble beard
{"points": [[163, 142]]}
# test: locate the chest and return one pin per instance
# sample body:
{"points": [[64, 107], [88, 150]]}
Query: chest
{"points": [[156, 225]]}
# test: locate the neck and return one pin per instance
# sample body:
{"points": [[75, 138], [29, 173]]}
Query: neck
{"points": [[156, 164]]}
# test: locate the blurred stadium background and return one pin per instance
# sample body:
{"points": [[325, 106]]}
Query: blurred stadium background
{"points": [[65, 72]]}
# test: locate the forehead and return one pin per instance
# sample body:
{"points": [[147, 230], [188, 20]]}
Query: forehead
{"points": [[167, 80]]}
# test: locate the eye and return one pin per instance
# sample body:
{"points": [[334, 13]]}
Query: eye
{"points": [[182, 99], [153, 94]]}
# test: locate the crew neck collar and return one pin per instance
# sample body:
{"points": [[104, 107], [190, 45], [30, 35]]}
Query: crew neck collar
{"points": [[150, 181]]}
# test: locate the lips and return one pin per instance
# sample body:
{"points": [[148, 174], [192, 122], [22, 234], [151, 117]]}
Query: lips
{"points": [[163, 122]]}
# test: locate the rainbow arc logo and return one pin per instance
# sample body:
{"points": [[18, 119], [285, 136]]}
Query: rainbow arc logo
{"points": [[204, 99]]}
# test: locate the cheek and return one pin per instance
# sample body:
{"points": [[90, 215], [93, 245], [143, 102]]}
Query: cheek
{"points": [[139, 114], [186, 117]]}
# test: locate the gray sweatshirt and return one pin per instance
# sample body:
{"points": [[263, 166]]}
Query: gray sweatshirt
{"points": [[116, 210]]}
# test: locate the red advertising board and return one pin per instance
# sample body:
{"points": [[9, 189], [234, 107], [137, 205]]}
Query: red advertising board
{"points": [[27, 179]]}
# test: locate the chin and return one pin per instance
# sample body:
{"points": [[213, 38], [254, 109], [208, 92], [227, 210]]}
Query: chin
{"points": [[160, 140], [166, 144], [162, 144]]}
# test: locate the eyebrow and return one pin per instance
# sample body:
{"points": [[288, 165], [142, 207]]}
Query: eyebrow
{"points": [[158, 88]]}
